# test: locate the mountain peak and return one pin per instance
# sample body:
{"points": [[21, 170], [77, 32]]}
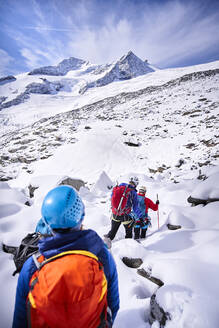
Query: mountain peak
{"points": [[127, 67], [130, 54], [131, 66]]}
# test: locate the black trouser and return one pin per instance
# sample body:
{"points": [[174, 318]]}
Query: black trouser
{"points": [[116, 224], [137, 233]]}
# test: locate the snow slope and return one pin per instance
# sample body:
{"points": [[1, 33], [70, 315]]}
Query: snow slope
{"points": [[173, 133]]}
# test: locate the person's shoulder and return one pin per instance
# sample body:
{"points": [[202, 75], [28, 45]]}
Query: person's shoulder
{"points": [[28, 268], [89, 231], [92, 235]]}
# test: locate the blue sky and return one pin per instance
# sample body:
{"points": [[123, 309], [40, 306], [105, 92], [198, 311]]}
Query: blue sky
{"points": [[172, 33]]}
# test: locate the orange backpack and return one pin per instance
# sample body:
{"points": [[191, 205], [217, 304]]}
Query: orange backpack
{"points": [[68, 290]]}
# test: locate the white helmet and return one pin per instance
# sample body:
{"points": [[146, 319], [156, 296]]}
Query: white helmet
{"points": [[134, 180], [142, 190]]}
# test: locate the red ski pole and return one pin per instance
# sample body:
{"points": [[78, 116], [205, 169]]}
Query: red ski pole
{"points": [[158, 215]]}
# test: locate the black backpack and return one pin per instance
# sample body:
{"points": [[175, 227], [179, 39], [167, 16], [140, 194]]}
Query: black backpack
{"points": [[28, 246]]}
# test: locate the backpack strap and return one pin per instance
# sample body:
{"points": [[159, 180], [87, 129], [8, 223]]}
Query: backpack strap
{"points": [[40, 262], [80, 252], [36, 259]]}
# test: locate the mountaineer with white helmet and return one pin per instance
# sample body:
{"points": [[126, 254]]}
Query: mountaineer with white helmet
{"points": [[123, 201], [144, 222]]}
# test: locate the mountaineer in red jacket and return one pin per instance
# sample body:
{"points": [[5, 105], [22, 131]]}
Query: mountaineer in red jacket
{"points": [[144, 222]]}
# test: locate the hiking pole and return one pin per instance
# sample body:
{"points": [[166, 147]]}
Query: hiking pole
{"points": [[158, 214]]}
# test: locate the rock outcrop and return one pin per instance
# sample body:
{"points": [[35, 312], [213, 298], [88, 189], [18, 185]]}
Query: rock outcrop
{"points": [[61, 69], [76, 183], [7, 79], [196, 201], [132, 262]]}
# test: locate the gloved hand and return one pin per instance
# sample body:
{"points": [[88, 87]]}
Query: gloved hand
{"points": [[157, 202]]}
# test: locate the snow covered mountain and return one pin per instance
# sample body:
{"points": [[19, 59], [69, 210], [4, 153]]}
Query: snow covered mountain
{"points": [[82, 75]]}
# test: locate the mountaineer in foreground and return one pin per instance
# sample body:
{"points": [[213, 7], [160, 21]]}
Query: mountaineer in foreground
{"points": [[72, 281]]}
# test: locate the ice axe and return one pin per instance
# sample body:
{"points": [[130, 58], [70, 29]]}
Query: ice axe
{"points": [[158, 215]]}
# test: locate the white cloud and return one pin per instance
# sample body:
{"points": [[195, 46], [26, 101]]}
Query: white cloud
{"points": [[30, 57], [104, 45], [5, 61], [179, 32], [164, 33]]}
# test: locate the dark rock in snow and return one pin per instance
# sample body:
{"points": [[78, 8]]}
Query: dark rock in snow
{"points": [[173, 227], [147, 275], [132, 262], [6, 79], [201, 176], [4, 177], [157, 313], [76, 183], [2, 99], [31, 190], [132, 144], [180, 163], [190, 145], [198, 201]]}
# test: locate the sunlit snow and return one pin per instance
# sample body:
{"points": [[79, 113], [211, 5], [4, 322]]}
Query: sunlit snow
{"points": [[186, 260]]}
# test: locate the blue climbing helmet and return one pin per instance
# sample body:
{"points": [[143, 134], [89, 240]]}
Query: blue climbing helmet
{"points": [[63, 208]]}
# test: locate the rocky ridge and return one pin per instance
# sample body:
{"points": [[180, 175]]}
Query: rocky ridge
{"points": [[61, 69], [46, 87], [7, 79]]}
